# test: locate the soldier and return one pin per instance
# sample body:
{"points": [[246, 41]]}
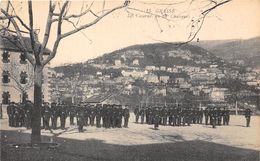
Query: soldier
{"points": [[150, 115], [10, 113], [206, 114], [28, 114], [98, 115], [142, 113], [46, 115], [126, 116], [81, 117], [1, 111], [219, 116], [170, 116], [189, 115], [136, 112], [92, 115], [164, 115], [179, 116], [72, 114], [16, 116], [200, 115], [54, 115], [214, 116], [156, 118], [63, 116], [120, 116], [248, 114], [104, 115], [86, 114]]}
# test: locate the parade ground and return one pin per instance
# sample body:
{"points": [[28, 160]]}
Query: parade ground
{"points": [[139, 142]]}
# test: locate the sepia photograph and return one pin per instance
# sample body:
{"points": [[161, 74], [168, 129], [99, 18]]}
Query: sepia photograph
{"points": [[130, 80]]}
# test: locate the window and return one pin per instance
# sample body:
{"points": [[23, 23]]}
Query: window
{"points": [[22, 58], [23, 77], [6, 97], [24, 96], [6, 56], [5, 78]]}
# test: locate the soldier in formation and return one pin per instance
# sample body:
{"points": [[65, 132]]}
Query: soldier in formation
{"points": [[248, 114]]}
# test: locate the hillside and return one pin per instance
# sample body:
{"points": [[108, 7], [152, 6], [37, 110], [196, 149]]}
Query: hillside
{"points": [[159, 54], [246, 52]]}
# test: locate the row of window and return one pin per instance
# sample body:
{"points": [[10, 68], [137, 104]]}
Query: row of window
{"points": [[6, 57], [6, 97], [6, 77]]}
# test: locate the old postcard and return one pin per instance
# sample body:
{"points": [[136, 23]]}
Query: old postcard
{"points": [[130, 80]]}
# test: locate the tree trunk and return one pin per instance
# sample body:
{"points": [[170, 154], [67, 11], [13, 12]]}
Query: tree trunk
{"points": [[36, 111]]}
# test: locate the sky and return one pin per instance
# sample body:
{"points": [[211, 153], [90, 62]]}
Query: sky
{"points": [[238, 19]]}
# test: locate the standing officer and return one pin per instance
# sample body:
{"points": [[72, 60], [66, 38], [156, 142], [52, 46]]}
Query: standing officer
{"points": [[214, 115], [63, 116], [46, 115], [164, 115], [54, 115], [92, 115], [10, 113], [136, 112], [28, 113], [206, 114], [126, 116], [81, 117], [156, 118], [248, 114], [72, 114], [142, 113], [98, 115]]}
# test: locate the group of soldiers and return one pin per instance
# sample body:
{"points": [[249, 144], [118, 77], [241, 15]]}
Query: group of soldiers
{"points": [[19, 114], [107, 116], [181, 116], [114, 116]]}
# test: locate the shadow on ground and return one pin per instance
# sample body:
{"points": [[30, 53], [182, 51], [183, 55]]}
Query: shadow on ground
{"points": [[97, 150]]}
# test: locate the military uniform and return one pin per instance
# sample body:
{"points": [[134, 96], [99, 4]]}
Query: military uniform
{"points": [[164, 116], [142, 113], [54, 111], [46, 116], [72, 114], [98, 116], [28, 114], [63, 116], [156, 118], [136, 112], [248, 114], [206, 114], [10, 113], [126, 116]]}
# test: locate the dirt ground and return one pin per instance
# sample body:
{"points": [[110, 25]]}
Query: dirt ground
{"points": [[140, 142]]}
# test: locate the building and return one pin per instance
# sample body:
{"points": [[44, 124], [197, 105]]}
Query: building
{"points": [[218, 94], [136, 62], [118, 62], [17, 74]]}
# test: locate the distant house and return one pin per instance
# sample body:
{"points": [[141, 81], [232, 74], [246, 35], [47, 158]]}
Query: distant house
{"points": [[99, 73], [164, 79], [118, 62], [133, 73], [218, 94], [149, 68], [135, 62], [151, 78], [162, 68]]}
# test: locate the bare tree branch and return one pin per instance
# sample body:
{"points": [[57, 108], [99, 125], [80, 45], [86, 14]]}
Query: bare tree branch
{"points": [[20, 37]]}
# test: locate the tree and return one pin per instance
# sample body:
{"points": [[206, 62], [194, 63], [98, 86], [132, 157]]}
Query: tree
{"points": [[14, 28]]}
